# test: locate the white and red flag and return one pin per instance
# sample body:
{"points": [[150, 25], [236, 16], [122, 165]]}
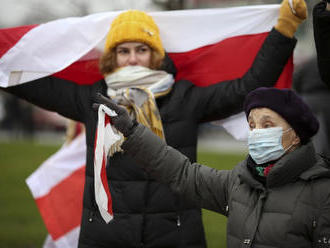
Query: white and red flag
{"points": [[206, 45]]}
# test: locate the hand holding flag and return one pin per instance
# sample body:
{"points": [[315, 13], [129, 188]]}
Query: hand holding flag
{"points": [[121, 121]]}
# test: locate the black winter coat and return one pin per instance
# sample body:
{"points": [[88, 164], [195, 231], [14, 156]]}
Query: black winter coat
{"points": [[321, 25], [290, 211], [147, 213]]}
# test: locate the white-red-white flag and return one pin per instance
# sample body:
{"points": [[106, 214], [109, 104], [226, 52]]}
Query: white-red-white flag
{"points": [[206, 45], [57, 187]]}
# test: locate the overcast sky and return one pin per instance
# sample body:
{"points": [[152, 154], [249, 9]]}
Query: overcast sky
{"points": [[15, 12]]}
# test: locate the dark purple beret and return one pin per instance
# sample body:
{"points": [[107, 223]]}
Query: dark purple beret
{"points": [[287, 104]]}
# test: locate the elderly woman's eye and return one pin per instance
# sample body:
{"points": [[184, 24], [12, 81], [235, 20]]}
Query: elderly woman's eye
{"points": [[268, 125]]}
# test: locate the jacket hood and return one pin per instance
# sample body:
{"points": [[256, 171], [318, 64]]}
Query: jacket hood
{"points": [[321, 169]]}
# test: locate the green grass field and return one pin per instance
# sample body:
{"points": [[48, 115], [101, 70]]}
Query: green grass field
{"points": [[20, 223]]}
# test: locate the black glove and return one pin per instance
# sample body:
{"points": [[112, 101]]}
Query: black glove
{"points": [[122, 121]]}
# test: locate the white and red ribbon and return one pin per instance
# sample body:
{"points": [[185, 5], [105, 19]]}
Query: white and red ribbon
{"points": [[104, 139]]}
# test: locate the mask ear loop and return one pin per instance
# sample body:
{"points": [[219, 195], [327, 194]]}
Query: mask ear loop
{"points": [[288, 148]]}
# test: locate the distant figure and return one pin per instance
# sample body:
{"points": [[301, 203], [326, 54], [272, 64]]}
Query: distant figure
{"points": [[321, 25], [18, 117], [308, 83]]}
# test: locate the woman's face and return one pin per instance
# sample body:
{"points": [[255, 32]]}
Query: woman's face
{"points": [[267, 118], [133, 53]]}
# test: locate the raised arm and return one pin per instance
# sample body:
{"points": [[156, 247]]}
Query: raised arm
{"points": [[226, 98], [321, 24]]}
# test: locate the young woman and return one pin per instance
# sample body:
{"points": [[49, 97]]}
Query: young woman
{"points": [[139, 76]]}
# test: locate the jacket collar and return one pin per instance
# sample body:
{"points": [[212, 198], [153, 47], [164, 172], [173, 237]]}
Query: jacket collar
{"points": [[301, 163]]}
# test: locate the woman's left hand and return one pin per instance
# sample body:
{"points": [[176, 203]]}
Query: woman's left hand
{"points": [[122, 121]]}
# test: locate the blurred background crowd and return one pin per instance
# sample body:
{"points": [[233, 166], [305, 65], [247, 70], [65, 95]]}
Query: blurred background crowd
{"points": [[19, 119]]}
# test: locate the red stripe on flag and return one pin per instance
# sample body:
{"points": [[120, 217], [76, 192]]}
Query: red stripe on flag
{"points": [[81, 72], [228, 59], [10, 36], [104, 178], [61, 208], [225, 60]]}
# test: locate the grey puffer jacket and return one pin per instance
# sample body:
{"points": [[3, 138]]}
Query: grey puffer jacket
{"points": [[292, 210]]}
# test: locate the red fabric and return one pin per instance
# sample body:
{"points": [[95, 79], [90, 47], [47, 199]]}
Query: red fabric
{"points": [[10, 36], [104, 173], [65, 197], [228, 59], [267, 169]]}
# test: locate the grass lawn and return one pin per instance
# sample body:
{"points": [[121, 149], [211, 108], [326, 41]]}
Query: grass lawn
{"points": [[21, 225]]}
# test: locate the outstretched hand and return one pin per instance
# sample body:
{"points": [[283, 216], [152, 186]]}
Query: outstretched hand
{"points": [[122, 121]]}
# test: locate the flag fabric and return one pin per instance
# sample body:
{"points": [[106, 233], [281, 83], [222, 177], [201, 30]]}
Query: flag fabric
{"points": [[206, 45], [105, 139], [57, 187]]}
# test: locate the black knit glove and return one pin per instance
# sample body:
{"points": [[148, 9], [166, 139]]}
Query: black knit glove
{"points": [[122, 121]]}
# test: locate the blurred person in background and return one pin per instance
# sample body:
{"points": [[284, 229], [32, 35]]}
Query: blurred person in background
{"points": [[308, 83], [17, 117], [279, 196], [139, 75], [321, 25]]}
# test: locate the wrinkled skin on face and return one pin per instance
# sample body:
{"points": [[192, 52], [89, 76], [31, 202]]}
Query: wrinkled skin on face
{"points": [[267, 118]]}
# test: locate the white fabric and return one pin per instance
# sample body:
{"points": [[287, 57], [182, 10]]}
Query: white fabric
{"points": [[41, 53], [58, 167], [105, 139], [69, 240], [236, 125]]}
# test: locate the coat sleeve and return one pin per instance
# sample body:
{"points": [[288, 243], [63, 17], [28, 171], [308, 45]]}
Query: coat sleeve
{"points": [[62, 96], [321, 25], [321, 236], [226, 98], [205, 186]]}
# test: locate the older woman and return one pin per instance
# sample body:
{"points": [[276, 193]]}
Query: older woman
{"points": [[279, 196], [147, 213]]}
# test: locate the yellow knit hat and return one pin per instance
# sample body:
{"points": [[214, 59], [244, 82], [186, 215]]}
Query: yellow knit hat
{"points": [[136, 26]]}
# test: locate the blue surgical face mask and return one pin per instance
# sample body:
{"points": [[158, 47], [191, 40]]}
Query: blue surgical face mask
{"points": [[266, 144]]}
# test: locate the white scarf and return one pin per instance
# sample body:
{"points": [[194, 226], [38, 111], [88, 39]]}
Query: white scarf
{"points": [[108, 139]]}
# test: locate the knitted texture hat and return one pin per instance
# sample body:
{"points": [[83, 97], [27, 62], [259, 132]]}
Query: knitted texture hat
{"points": [[134, 26], [287, 104]]}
